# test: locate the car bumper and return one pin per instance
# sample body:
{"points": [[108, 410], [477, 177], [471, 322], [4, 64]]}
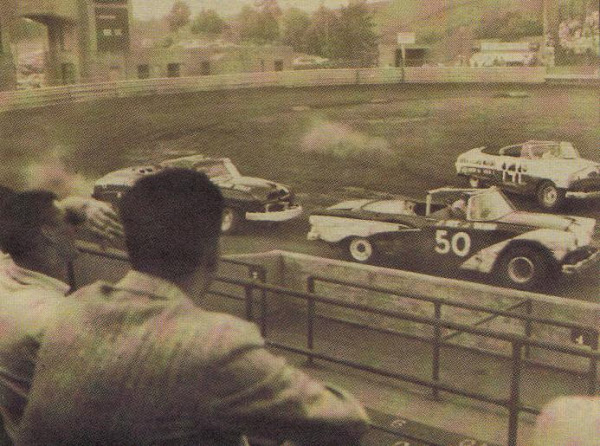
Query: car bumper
{"points": [[584, 188], [575, 194], [275, 216], [590, 258]]}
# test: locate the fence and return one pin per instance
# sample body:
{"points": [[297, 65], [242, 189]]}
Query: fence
{"points": [[20, 99], [519, 344]]}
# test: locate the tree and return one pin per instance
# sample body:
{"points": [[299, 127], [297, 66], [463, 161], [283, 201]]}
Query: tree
{"points": [[257, 26], [355, 38], [208, 22], [320, 34], [269, 7], [179, 15], [296, 23]]}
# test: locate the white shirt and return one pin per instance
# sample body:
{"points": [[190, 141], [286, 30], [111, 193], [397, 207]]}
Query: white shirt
{"points": [[27, 304]]}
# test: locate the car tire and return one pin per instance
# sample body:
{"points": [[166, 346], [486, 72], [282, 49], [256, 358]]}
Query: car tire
{"points": [[524, 268], [476, 183], [549, 196], [231, 221], [361, 250]]}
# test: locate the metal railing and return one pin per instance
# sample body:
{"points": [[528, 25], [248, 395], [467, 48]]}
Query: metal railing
{"points": [[518, 343], [592, 333]]}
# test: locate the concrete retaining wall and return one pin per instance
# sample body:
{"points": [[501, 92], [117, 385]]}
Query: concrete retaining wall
{"points": [[291, 270]]}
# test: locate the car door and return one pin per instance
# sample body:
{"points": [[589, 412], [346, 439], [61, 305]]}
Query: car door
{"points": [[447, 244]]}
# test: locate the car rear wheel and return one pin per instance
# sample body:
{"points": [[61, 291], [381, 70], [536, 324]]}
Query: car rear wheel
{"points": [[361, 250], [549, 196], [524, 268], [231, 221]]}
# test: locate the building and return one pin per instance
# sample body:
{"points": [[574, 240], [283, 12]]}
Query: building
{"points": [[201, 60], [492, 53], [90, 41], [405, 52]]}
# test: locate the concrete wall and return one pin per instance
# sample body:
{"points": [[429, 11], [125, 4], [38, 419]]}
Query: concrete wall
{"points": [[291, 270]]}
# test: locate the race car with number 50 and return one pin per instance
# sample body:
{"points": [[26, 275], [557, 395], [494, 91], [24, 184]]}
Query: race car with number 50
{"points": [[548, 170], [463, 229]]}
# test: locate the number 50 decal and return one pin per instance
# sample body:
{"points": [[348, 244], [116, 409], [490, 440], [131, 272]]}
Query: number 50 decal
{"points": [[459, 243]]}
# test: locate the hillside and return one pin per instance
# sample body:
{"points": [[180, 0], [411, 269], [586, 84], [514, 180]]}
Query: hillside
{"points": [[443, 16]]}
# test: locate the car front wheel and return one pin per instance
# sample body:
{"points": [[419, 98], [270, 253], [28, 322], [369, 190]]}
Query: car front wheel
{"points": [[524, 268], [549, 196], [361, 250], [231, 221]]}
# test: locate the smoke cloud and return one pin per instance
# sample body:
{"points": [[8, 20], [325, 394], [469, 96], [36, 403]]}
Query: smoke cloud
{"points": [[51, 173], [341, 141]]}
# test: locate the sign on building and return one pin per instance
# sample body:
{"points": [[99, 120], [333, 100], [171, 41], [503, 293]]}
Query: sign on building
{"points": [[406, 38], [112, 28]]}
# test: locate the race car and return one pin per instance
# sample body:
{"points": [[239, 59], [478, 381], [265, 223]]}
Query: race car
{"points": [[547, 170], [246, 198], [462, 229]]}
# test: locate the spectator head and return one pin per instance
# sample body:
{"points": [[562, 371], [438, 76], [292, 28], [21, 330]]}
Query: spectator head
{"points": [[5, 194], [34, 231], [172, 223]]}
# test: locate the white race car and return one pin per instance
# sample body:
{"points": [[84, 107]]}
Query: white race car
{"points": [[548, 170]]}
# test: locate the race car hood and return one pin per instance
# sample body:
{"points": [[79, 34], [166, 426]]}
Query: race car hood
{"points": [[259, 188], [547, 221], [127, 176]]}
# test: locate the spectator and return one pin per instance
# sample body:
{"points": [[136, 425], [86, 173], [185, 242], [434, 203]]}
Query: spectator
{"points": [[36, 239], [141, 362]]}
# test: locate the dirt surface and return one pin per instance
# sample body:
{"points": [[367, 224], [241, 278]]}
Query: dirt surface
{"points": [[327, 143]]}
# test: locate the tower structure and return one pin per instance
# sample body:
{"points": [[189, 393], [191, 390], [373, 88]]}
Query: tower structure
{"points": [[87, 39], [8, 74]]}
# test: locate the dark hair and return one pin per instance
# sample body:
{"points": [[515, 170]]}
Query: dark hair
{"points": [[172, 222], [22, 216], [5, 194]]}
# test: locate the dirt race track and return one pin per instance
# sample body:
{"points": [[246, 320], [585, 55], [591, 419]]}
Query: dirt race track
{"points": [[327, 143]]}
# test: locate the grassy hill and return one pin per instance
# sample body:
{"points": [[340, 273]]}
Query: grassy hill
{"points": [[444, 16]]}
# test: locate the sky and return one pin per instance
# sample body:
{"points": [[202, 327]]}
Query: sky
{"points": [[146, 9]]}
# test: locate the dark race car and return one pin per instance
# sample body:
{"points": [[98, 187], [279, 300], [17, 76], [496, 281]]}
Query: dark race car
{"points": [[548, 170], [246, 198], [465, 229]]}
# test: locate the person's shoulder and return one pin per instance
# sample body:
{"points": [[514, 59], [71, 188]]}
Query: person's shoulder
{"points": [[221, 333]]}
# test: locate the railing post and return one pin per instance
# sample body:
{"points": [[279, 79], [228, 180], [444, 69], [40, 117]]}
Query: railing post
{"points": [[248, 292], [71, 276], [528, 325], [310, 287], [593, 369], [514, 402], [437, 337], [259, 275]]}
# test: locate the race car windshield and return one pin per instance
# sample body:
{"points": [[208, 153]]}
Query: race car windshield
{"points": [[213, 170], [489, 206], [563, 150]]}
